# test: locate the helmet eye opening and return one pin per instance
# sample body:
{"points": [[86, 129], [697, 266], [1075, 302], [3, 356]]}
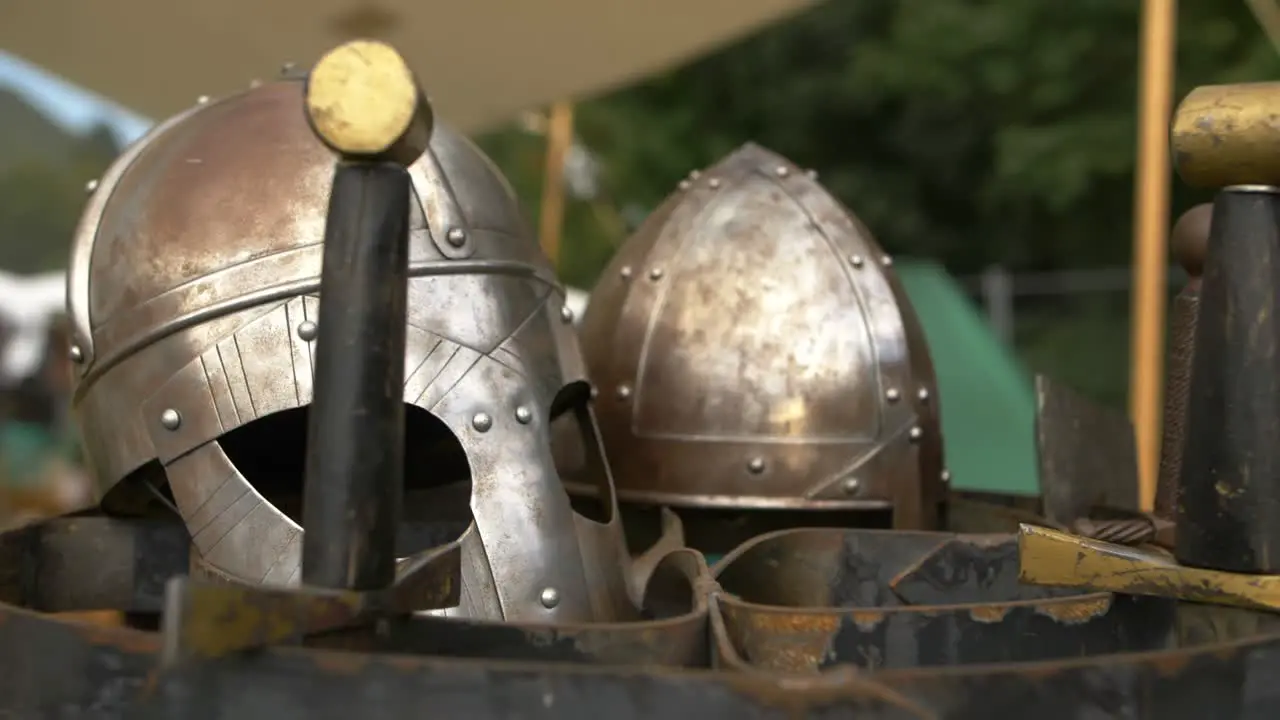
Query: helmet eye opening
{"points": [[270, 453], [578, 454], [574, 395]]}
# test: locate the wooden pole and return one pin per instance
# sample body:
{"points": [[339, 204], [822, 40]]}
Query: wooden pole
{"points": [[1150, 233], [1267, 13], [353, 484], [559, 140]]}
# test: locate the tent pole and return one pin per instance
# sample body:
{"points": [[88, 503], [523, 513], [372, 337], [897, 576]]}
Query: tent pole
{"points": [[1150, 235], [551, 218], [1267, 13]]}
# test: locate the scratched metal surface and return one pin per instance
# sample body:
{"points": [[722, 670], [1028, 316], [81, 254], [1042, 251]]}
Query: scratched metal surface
{"points": [[684, 660], [807, 600]]}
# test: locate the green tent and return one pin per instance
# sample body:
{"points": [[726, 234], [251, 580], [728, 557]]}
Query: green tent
{"points": [[988, 404]]}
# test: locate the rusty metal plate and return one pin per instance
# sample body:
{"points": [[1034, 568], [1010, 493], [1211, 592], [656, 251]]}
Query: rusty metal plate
{"points": [[91, 563], [673, 633], [1086, 454], [68, 670], [1214, 662], [807, 600]]}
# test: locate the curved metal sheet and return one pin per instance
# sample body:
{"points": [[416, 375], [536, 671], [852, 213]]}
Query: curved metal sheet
{"points": [[1221, 666], [807, 600]]}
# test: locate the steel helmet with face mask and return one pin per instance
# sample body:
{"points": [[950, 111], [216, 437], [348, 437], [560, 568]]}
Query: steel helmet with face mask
{"points": [[193, 293]]}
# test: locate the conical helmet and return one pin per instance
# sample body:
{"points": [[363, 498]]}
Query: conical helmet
{"points": [[753, 350], [193, 293]]}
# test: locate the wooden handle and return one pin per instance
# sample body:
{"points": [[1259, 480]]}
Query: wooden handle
{"points": [[1057, 559], [364, 103], [1225, 135]]}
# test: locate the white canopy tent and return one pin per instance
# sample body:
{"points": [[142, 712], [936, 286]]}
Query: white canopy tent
{"points": [[28, 303], [576, 301], [481, 61]]}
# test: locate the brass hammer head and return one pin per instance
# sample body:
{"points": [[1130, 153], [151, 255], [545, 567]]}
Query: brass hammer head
{"points": [[364, 103], [1225, 135]]}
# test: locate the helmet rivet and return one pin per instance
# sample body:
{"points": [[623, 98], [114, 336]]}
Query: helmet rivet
{"points": [[202, 100], [170, 419], [523, 415], [914, 434], [456, 237], [566, 313], [481, 422], [550, 597], [892, 395], [851, 485], [755, 465], [683, 185], [76, 354], [655, 274], [886, 261], [624, 392], [946, 476], [625, 272], [856, 260], [91, 186], [307, 330], [923, 395], [714, 183], [813, 174], [782, 171]]}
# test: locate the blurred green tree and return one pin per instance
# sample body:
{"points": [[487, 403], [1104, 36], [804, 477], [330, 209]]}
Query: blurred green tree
{"points": [[967, 131], [41, 197]]}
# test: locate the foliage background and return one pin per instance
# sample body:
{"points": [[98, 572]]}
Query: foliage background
{"points": [[973, 132]]}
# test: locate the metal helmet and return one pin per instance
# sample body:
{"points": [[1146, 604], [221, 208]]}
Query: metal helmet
{"points": [[193, 296], [753, 349]]}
